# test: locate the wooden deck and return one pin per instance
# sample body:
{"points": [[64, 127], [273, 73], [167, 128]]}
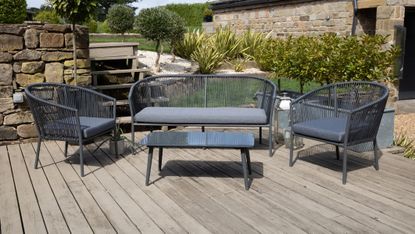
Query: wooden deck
{"points": [[202, 191]]}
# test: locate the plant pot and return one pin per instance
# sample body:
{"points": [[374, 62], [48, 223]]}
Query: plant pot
{"points": [[120, 147]]}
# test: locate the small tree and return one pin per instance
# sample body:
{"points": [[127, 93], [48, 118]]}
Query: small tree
{"points": [[12, 11], [177, 32], [47, 16], [120, 18], [75, 11], [156, 24]]}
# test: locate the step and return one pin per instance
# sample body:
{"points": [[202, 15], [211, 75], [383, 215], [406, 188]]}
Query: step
{"points": [[124, 120], [123, 102], [120, 71], [114, 58], [113, 86]]}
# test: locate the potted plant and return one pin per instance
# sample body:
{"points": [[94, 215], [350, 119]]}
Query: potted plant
{"points": [[117, 140], [208, 15]]}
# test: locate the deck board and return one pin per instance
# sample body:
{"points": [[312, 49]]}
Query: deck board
{"points": [[202, 191]]}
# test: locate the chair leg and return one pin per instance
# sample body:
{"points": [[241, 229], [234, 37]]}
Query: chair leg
{"points": [[203, 128], [248, 160], [39, 141], [160, 157], [376, 158], [244, 168], [149, 160], [132, 138], [66, 149], [344, 165], [291, 148], [81, 158], [270, 142], [260, 135], [337, 152]]}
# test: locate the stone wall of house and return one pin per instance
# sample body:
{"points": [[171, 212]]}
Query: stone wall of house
{"points": [[32, 53]]}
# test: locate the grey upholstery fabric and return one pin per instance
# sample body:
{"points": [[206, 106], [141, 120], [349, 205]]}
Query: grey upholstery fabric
{"points": [[219, 115], [90, 126], [330, 129]]}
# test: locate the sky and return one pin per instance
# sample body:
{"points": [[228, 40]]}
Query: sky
{"points": [[140, 5]]}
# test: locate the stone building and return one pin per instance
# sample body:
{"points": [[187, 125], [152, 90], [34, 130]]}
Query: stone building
{"points": [[32, 53], [395, 18]]}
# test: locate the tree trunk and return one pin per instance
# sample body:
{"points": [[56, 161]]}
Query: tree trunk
{"points": [[173, 59], [74, 75], [158, 50]]}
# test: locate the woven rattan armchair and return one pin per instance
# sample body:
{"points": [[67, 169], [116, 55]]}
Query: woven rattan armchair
{"points": [[342, 114], [72, 114]]}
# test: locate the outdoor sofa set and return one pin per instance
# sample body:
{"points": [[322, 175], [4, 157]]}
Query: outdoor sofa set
{"points": [[342, 114]]}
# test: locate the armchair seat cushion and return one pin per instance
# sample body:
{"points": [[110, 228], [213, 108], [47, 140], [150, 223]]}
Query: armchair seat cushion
{"points": [[193, 115], [329, 129]]}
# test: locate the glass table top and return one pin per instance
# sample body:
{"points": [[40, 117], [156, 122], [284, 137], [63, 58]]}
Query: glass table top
{"points": [[199, 139]]}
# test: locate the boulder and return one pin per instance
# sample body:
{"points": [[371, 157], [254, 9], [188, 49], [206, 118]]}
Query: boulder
{"points": [[10, 42], [6, 104], [6, 74], [17, 67], [57, 27], [27, 131], [26, 79], [51, 40], [82, 53], [6, 92], [82, 80], [54, 72], [31, 38], [18, 118], [28, 55], [1, 119], [56, 56], [8, 133], [32, 67], [5, 57], [15, 29], [80, 63]]}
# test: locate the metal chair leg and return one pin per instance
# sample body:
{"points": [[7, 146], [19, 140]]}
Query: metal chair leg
{"points": [[203, 128], [270, 142], [81, 158], [344, 165], [244, 168], [66, 149], [337, 152], [39, 141], [149, 160], [291, 148], [376, 158], [248, 160], [132, 138], [160, 157], [260, 135]]}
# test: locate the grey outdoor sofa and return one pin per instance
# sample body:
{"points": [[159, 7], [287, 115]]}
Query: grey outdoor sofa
{"points": [[203, 100], [342, 114], [72, 114]]}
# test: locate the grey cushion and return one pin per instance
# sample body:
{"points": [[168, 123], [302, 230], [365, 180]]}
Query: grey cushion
{"points": [[191, 115], [330, 129], [90, 126]]}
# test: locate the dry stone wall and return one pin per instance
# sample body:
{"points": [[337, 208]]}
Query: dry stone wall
{"points": [[32, 53]]}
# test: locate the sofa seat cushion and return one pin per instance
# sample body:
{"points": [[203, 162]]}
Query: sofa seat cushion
{"points": [[193, 115], [330, 129], [90, 126]]}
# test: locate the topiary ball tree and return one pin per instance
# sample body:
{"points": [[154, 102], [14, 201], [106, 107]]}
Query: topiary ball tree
{"points": [[155, 24], [120, 18], [12, 11], [177, 32]]}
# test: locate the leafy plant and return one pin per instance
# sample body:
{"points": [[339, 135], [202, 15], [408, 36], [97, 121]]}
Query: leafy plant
{"points": [[404, 141], [177, 32], [12, 11], [228, 43], [208, 57], [239, 64], [120, 18], [192, 14], [190, 42], [252, 41], [92, 25], [102, 27], [48, 16]]}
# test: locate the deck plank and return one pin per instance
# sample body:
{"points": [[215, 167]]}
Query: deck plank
{"points": [[29, 209], [10, 220]]}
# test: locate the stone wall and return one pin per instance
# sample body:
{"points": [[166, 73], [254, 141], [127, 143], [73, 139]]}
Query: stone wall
{"points": [[32, 53]]}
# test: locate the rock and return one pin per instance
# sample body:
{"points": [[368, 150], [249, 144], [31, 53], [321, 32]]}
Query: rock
{"points": [[17, 67], [5, 57], [10, 42], [8, 133], [32, 67], [6, 74], [18, 118], [31, 38], [12, 29], [57, 27], [1, 119], [6, 92], [26, 79], [82, 53], [27, 130], [56, 56], [78, 71], [81, 63], [54, 72], [6, 104], [27, 55], [81, 80], [82, 39], [51, 40]]}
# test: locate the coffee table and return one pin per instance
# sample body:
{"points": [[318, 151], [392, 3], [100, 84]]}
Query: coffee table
{"points": [[228, 140]]}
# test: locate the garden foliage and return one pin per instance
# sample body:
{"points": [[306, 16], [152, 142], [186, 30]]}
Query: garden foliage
{"points": [[120, 18], [12, 11], [191, 13], [48, 16]]}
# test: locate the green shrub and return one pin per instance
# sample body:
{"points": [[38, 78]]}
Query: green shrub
{"points": [[228, 43], [208, 58], [190, 42], [48, 16], [406, 143], [252, 41], [12, 11], [102, 27], [92, 26], [191, 13], [120, 18]]}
